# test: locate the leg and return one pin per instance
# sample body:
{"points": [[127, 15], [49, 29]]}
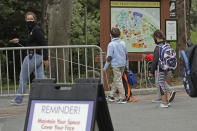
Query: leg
{"points": [[158, 99], [168, 75], [39, 67], [118, 71], [157, 85], [162, 84], [169, 89], [113, 88], [25, 72]]}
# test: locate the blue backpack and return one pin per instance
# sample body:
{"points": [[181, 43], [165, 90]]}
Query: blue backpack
{"points": [[188, 64], [167, 57], [128, 80], [131, 77]]}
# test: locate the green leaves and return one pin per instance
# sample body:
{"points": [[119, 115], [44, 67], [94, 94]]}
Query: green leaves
{"points": [[12, 23], [78, 28]]}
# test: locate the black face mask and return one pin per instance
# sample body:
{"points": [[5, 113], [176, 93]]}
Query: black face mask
{"points": [[30, 25], [155, 41]]}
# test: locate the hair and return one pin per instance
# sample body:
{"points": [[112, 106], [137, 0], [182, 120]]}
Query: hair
{"points": [[115, 32], [31, 13], [159, 34]]}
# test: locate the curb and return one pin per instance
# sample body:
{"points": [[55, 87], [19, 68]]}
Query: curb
{"points": [[147, 91]]}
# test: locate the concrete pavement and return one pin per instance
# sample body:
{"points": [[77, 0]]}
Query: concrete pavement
{"points": [[140, 116], [147, 116]]}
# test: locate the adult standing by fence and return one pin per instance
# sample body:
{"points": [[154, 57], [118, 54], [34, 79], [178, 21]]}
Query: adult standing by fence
{"points": [[117, 56], [33, 61]]}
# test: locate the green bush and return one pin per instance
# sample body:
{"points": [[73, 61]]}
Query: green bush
{"points": [[193, 37]]}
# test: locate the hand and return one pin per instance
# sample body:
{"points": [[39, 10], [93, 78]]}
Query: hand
{"points": [[150, 74], [15, 40], [126, 68], [104, 70], [46, 63]]}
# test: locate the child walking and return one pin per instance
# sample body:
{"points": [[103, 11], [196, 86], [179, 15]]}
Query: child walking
{"points": [[159, 39]]}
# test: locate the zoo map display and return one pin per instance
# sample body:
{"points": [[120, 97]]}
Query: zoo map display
{"points": [[137, 26]]}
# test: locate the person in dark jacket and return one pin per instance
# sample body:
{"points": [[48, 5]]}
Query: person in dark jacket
{"points": [[33, 61], [161, 83]]}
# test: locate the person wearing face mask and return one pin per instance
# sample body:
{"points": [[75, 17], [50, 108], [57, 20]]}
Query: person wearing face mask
{"points": [[117, 57], [34, 58], [161, 75]]}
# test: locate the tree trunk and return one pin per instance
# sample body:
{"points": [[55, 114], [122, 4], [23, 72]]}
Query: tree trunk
{"points": [[44, 15], [183, 16], [59, 14]]}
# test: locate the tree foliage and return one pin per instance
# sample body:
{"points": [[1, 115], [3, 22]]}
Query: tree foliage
{"points": [[194, 15], [193, 19], [12, 18], [78, 30], [93, 23]]}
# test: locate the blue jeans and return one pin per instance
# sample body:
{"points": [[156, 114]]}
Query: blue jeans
{"points": [[35, 65]]}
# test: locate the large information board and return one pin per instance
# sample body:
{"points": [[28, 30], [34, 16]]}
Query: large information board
{"points": [[137, 21]]}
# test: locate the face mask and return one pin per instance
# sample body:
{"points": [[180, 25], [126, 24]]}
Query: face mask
{"points": [[155, 41], [30, 24]]}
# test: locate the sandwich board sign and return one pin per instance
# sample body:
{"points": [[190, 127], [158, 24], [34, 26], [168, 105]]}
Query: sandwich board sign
{"points": [[67, 107], [48, 115]]}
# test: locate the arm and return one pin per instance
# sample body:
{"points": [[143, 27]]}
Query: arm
{"points": [[39, 35], [155, 60], [107, 63], [127, 61], [21, 42], [109, 56]]}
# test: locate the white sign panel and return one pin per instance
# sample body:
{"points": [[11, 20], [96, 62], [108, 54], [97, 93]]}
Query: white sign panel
{"points": [[171, 30], [60, 115]]}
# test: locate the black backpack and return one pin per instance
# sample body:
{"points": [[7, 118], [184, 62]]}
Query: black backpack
{"points": [[188, 62]]}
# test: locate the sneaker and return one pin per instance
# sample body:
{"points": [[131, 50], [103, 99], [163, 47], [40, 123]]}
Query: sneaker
{"points": [[110, 98], [169, 104], [162, 105], [156, 101], [172, 95], [122, 101], [13, 102]]}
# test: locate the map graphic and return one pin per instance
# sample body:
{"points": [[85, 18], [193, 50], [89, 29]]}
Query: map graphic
{"points": [[137, 26]]}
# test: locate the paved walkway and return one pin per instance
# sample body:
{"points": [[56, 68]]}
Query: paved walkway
{"points": [[140, 116], [147, 116]]}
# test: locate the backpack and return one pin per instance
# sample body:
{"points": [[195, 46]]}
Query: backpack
{"points": [[167, 57], [130, 77], [128, 80], [188, 69]]}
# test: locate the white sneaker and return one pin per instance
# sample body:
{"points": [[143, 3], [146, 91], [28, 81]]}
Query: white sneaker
{"points": [[110, 98], [122, 101], [162, 105], [13, 102]]}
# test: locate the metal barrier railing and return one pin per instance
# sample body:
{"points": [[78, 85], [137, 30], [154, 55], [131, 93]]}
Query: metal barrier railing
{"points": [[66, 63]]}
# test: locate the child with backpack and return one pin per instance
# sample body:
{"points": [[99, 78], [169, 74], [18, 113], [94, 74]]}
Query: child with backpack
{"points": [[164, 62]]}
